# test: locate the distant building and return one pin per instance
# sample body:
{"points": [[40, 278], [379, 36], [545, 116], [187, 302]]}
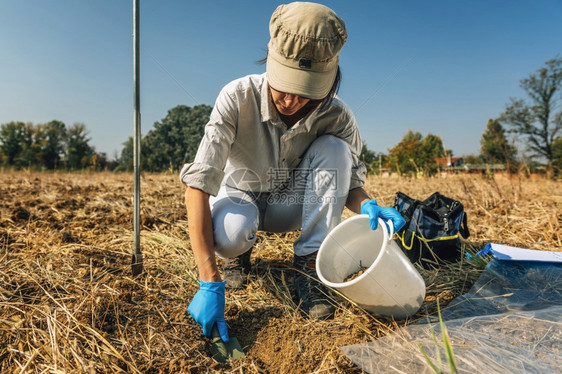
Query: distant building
{"points": [[457, 164], [448, 162]]}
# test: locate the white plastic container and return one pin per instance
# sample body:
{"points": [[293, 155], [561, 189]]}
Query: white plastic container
{"points": [[390, 286]]}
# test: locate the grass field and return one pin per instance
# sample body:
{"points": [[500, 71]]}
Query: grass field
{"points": [[68, 302]]}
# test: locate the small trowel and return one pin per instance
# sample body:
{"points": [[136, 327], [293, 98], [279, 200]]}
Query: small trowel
{"points": [[223, 352]]}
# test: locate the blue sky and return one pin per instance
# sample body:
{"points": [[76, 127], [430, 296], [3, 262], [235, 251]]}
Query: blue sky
{"points": [[440, 67]]}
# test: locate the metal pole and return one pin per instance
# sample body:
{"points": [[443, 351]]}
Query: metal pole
{"points": [[136, 264]]}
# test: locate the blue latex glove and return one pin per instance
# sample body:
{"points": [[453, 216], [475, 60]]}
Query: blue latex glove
{"points": [[207, 308], [375, 212]]}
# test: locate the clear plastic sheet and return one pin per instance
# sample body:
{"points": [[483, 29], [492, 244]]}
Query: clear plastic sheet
{"points": [[509, 322]]}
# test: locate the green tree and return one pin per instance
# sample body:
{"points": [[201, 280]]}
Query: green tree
{"points": [[125, 162], [537, 119], [368, 158], [405, 156], [17, 144], [432, 146], [495, 149], [175, 139], [557, 155], [50, 139], [415, 154], [27, 157], [471, 159], [126, 158], [78, 149], [10, 142], [98, 161]]}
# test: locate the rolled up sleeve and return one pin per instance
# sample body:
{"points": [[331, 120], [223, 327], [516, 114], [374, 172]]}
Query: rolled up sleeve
{"points": [[358, 175], [206, 172], [204, 177]]}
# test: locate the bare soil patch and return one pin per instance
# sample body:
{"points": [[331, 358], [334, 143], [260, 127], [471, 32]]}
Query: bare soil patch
{"points": [[68, 302]]}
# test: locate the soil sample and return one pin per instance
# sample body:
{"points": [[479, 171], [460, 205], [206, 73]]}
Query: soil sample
{"points": [[358, 273]]}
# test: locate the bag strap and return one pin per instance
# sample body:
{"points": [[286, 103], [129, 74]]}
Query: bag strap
{"points": [[464, 226], [404, 239]]}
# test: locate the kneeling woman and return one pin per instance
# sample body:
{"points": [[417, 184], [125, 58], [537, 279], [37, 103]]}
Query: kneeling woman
{"points": [[280, 152]]}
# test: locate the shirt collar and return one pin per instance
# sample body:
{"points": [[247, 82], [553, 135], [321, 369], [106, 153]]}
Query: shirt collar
{"points": [[268, 112]]}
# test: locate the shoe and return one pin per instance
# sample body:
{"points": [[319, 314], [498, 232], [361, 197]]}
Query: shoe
{"points": [[235, 270], [312, 294]]}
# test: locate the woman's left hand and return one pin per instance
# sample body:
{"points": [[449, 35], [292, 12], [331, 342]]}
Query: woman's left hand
{"points": [[371, 208]]}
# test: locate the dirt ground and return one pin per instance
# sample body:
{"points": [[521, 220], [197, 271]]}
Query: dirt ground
{"points": [[68, 301]]}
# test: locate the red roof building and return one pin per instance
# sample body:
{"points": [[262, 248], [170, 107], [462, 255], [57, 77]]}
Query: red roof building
{"points": [[449, 161]]}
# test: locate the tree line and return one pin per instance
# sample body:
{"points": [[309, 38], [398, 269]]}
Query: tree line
{"points": [[48, 146], [536, 120], [55, 146]]}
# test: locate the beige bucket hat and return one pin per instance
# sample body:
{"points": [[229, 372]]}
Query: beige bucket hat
{"points": [[306, 39]]}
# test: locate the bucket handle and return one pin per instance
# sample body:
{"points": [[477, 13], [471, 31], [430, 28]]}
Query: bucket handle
{"points": [[389, 230]]}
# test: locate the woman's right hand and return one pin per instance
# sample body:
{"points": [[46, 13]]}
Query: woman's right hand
{"points": [[375, 212], [207, 308]]}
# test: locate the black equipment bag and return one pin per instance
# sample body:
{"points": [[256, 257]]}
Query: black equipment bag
{"points": [[431, 233]]}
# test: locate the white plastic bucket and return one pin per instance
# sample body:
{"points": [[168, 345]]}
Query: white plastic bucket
{"points": [[390, 286]]}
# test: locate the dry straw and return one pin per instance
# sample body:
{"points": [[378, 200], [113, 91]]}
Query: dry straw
{"points": [[69, 304]]}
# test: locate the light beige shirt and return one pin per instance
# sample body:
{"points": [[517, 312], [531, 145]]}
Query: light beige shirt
{"points": [[246, 143]]}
